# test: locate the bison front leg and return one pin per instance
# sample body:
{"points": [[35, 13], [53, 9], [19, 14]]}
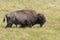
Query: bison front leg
{"points": [[23, 25], [30, 25], [9, 25]]}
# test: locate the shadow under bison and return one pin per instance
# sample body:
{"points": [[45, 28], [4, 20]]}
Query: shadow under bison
{"points": [[24, 18]]}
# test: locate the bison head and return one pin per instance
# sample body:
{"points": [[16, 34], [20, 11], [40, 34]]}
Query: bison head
{"points": [[41, 19]]}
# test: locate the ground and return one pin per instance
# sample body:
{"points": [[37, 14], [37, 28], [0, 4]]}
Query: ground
{"points": [[50, 30]]}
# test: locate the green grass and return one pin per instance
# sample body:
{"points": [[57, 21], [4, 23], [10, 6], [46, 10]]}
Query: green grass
{"points": [[50, 30]]}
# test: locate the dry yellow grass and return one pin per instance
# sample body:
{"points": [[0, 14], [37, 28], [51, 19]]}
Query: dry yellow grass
{"points": [[50, 30]]}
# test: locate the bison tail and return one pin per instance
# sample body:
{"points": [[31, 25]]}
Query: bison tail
{"points": [[4, 20]]}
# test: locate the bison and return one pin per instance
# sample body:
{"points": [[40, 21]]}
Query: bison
{"points": [[24, 18], [40, 19]]}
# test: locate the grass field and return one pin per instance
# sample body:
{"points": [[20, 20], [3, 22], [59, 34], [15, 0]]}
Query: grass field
{"points": [[50, 30]]}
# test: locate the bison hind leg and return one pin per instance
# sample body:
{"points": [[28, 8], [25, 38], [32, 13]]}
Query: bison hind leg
{"points": [[9, 25]]}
